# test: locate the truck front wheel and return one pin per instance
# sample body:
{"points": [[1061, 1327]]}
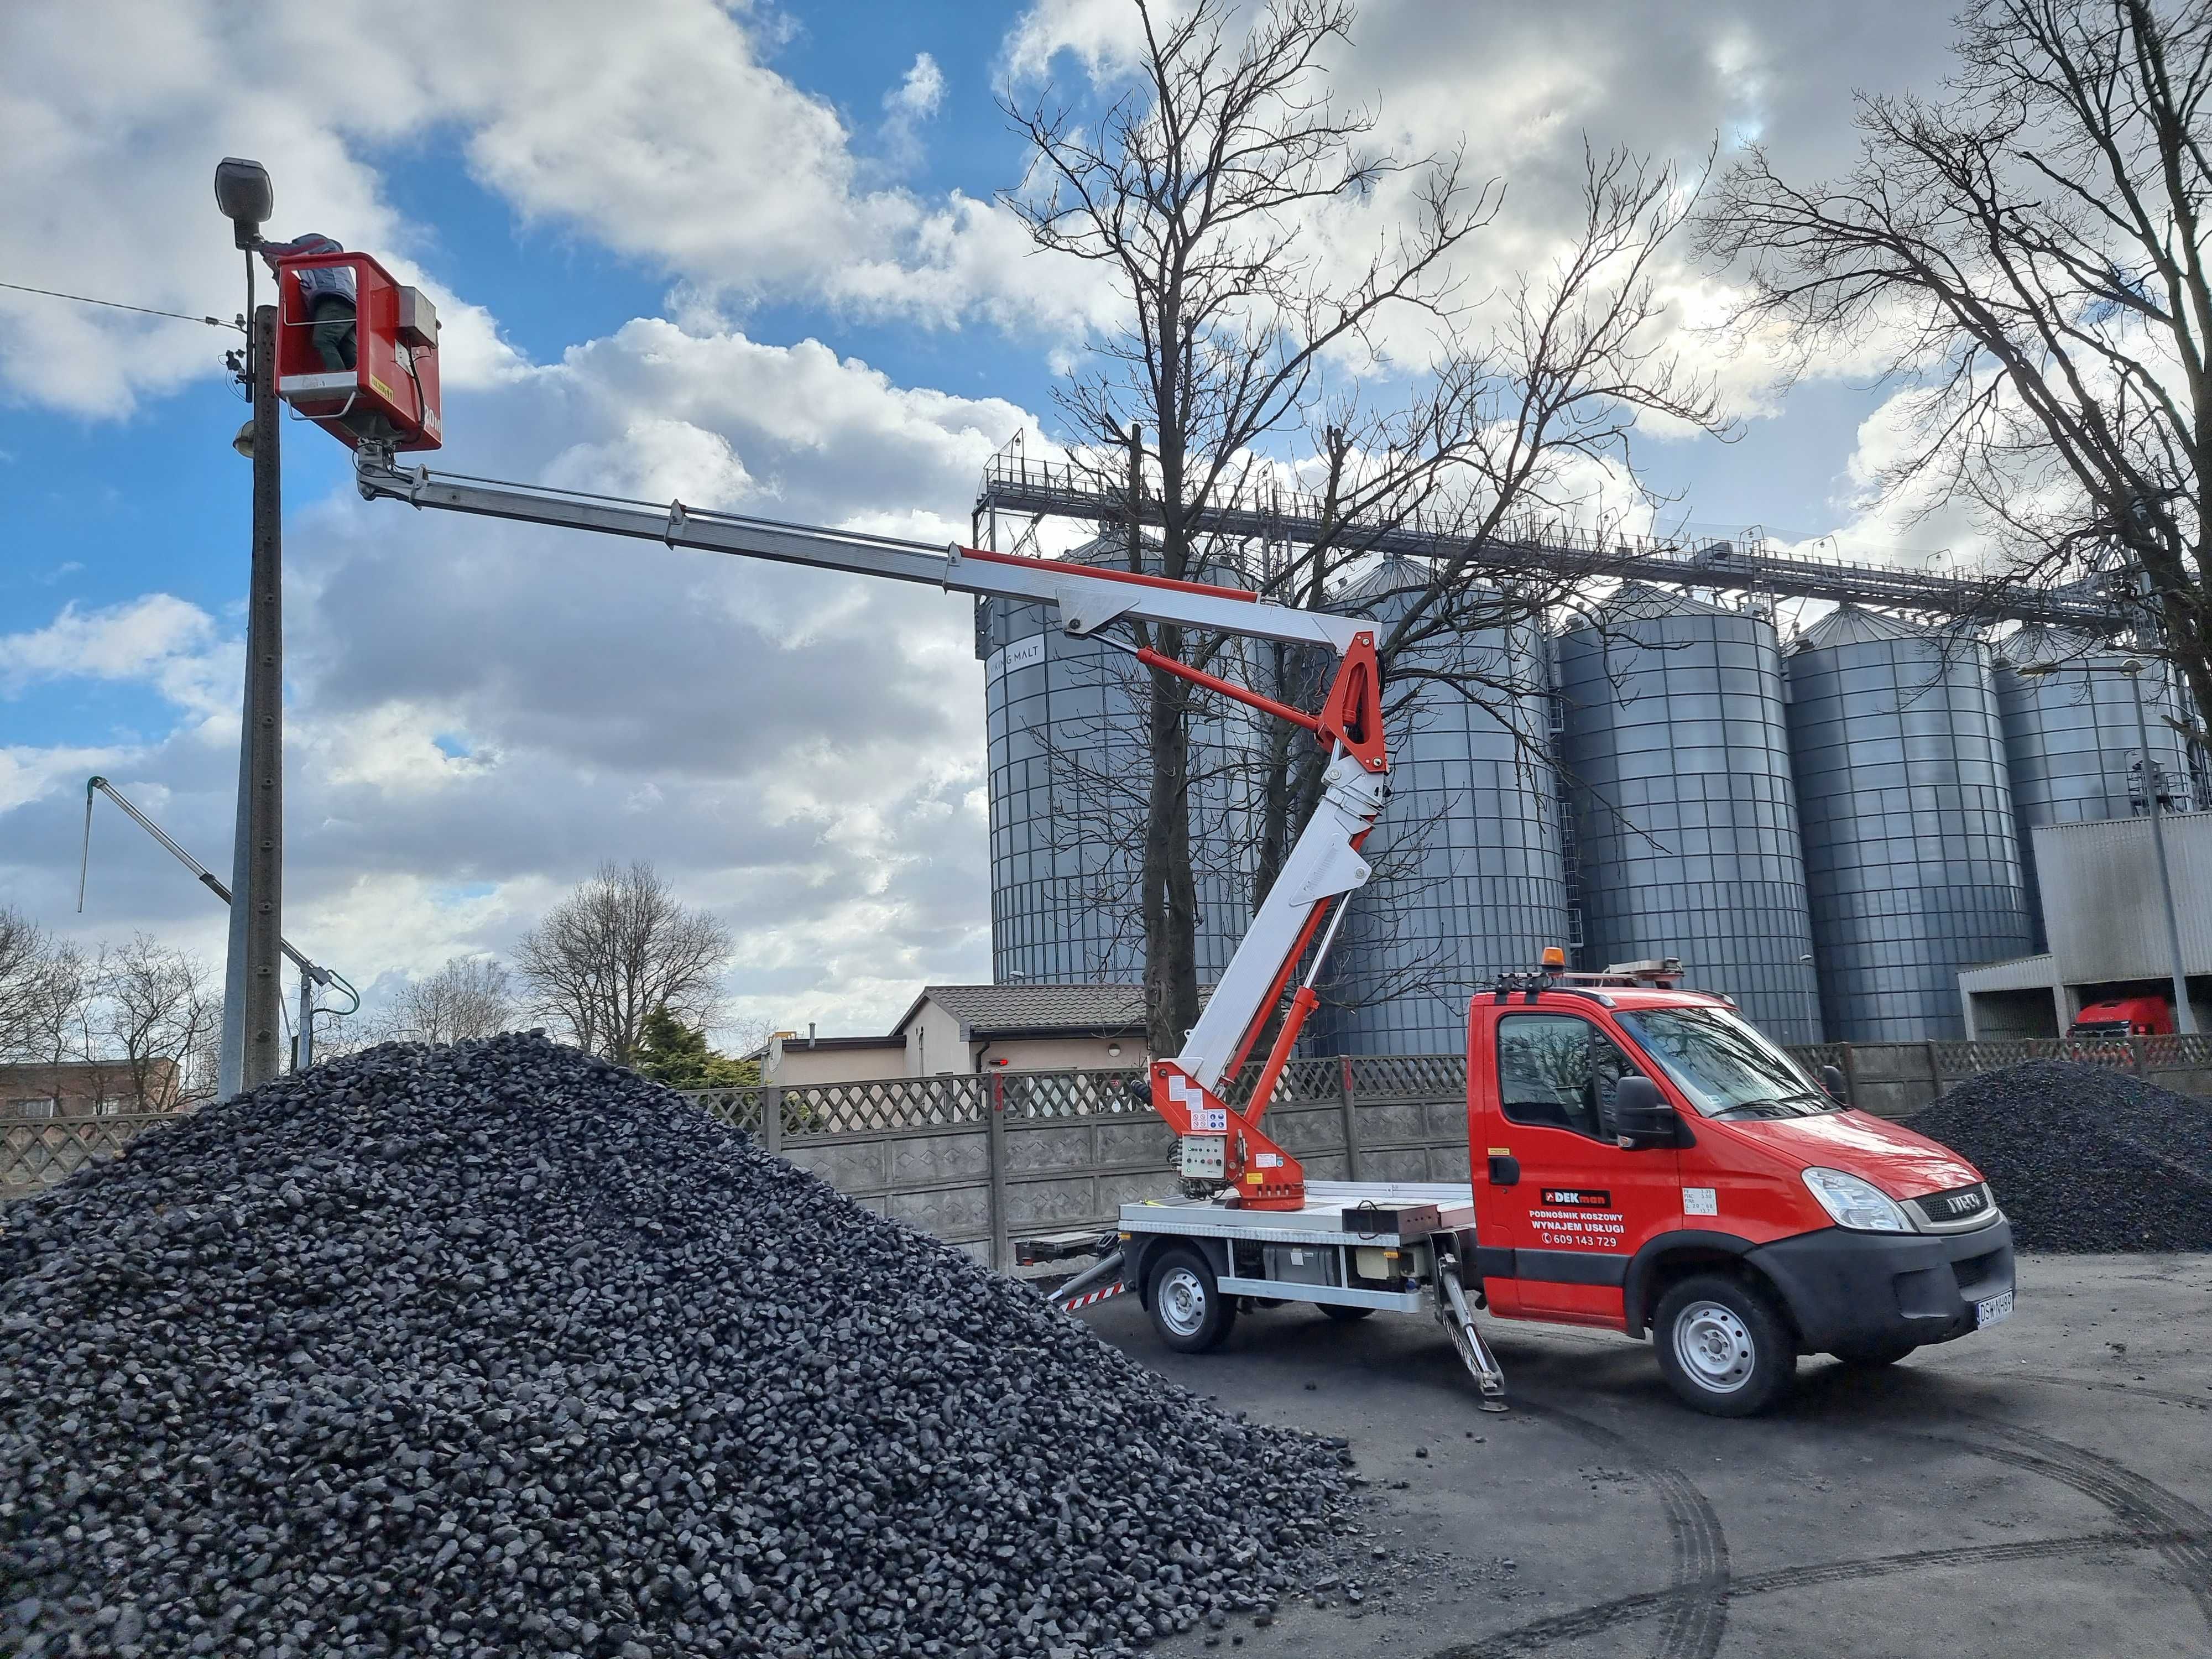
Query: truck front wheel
{"points": [[1189, 1310], [1725, 1348]]}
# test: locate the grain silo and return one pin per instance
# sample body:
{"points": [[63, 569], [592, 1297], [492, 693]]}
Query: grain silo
{"points": [[1068, 762], [1912, 861], [1469, 879], [1677, 750], [2071, 740]]}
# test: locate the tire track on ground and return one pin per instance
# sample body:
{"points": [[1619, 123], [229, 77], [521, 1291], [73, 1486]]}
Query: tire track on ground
{"points": [[1694, 1607], [2135, 1500], [2153, 1517], [1599, 1616]]}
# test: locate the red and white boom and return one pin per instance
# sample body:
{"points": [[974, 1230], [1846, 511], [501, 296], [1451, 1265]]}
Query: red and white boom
{"points": [[1219, 1141]]}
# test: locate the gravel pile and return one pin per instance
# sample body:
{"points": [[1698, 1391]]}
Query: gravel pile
{"points": [[495, 1349], [2084, 1158]]}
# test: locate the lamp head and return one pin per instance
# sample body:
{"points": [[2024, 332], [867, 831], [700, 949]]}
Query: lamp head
{"points": [[245, 196]]}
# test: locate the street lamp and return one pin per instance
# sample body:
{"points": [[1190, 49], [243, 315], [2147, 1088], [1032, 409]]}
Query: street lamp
{"points": [[246, 197], [252, 1006], [2184, 1019]]}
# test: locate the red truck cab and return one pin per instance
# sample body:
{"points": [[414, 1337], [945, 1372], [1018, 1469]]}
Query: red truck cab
{"points": [[2121, 1016], [1645, 1161]]}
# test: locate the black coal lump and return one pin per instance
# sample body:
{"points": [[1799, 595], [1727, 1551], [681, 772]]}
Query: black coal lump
{"points": [[496, 1349], [2085, 1157]]}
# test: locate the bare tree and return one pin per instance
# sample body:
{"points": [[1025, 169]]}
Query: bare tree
{"points": [[2027, 256], [1542, 394], [1198, 191], [55, 1005], [155, 1012], [23, 946], [469, 997], [616, 949], [1190, 191]]}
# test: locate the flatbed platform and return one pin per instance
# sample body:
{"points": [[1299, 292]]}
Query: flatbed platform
{"points": [[1387, 1212]]}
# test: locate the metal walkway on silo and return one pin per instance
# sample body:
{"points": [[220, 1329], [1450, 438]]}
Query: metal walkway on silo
{"points": [[1012, 483]]}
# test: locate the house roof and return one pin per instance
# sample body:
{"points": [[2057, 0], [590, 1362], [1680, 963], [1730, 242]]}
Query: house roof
{"points": [[988, 1011]]}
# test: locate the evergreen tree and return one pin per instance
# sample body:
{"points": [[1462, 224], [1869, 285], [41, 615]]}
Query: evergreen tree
{"points": [[675, 1053]]}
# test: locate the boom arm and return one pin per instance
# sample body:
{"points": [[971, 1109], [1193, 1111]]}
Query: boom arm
{"points": [[1321, 867]]}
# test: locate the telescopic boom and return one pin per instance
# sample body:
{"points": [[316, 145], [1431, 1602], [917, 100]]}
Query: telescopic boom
{"points": [[1220, 1142]]}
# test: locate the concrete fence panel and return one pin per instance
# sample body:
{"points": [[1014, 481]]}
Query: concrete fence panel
{"points": [[982, 1161]]}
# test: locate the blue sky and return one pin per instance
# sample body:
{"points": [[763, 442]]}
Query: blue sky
{"points": [[680, 245]]}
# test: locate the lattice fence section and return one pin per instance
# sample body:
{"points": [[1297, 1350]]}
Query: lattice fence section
{"points": [[741, 1109], [904, 1103], [1960, 1060], [1406, 1077], [1071, 1094], [37, 1152], [2177, 1053]]}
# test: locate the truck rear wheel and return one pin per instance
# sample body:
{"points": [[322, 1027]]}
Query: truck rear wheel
{"points": [[1724, 1347], [1187, 1308]]}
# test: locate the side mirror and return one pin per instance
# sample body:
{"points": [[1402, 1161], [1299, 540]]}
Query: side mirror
{"points": [[1641, 1117], [1832, 1080]]}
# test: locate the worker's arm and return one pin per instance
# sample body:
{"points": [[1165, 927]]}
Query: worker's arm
{"points": [[311, 243]]}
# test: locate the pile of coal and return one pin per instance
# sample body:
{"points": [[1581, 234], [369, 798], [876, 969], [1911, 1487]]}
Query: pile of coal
{"points": [[2085, 1157], [496, 1349]]}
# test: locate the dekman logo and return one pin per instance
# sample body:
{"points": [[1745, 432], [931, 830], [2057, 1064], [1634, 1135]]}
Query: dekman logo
{"points": [[1577, 1198]]}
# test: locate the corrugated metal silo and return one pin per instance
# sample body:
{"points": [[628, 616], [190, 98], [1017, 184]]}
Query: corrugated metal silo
{"points": [[1469, 877], [1685, 812], [1069, 765], [2071, 743], [1912, 861]]}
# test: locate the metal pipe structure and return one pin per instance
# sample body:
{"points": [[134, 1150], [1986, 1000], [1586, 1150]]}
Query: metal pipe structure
{"points": [[311, 974], [1012, 483], [2185, 1019]]}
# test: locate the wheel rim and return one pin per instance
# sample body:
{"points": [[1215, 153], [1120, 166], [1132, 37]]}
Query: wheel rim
{"points": [[1180, 1298], [1714, 1346]]}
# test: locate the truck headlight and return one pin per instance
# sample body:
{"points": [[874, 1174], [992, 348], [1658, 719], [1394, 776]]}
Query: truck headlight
{"points": [[1858, 1204]]}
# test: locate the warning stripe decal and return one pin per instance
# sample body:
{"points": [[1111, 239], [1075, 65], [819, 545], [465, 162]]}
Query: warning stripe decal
{"points": [[1089, 1296]]}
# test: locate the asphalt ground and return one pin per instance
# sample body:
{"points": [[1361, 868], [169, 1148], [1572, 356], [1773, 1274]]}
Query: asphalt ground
{"points": [[2042, 1487]]}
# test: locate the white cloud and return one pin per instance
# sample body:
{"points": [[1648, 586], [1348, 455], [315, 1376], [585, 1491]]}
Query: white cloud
{"points": [[910, 105], [658, 132], [1106, 37], [157, 639], [800, 750]]}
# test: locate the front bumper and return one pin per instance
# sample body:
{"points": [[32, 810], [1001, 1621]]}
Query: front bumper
{"points": [[1851, 1289]]}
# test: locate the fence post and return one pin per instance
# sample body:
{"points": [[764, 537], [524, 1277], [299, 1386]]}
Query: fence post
{"points": [[1851, 1072], [2137, 1058], [771, 1129], [1346, 1104], [995, 1145], [1935, 1073]]}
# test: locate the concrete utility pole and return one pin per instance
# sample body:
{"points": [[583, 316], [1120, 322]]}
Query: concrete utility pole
{"points": [[252, 1047]]}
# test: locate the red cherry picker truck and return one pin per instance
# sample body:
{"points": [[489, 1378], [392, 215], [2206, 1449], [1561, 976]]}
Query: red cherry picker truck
{"points": [[1642, 1160]]}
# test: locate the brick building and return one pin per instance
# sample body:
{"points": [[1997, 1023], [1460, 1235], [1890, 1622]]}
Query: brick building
{"points": [[87, 1088]]}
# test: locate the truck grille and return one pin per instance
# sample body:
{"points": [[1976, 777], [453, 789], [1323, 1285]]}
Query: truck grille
{"points": [[1960, 1210]]}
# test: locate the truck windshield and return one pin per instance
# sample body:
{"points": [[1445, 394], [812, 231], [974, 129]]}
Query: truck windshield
{"points": [[1725, 1067]]}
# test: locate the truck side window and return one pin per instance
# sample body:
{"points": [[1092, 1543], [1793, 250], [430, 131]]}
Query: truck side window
{"points": [[1559, 1072]]}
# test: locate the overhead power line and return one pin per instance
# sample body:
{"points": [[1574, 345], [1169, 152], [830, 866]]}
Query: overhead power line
{"points": [[117, 304]]}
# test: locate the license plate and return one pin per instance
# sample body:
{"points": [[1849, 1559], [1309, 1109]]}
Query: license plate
{"points": [[1995, 1310]]}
